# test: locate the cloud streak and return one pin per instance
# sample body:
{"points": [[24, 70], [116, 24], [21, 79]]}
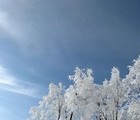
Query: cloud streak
{"points": [[9, 27], [20, 32], [10, 83]]}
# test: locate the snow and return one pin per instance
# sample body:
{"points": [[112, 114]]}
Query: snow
{"points": [[116, 99]]}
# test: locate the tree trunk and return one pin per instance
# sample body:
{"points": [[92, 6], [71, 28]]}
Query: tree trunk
{"points": [[113, 115], [116, 114], [117, 109], [71, 115], [59, 113]]}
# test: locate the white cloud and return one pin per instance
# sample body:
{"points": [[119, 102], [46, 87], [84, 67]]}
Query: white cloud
{"points": [[6, 78], [9, 27], [10, 83], [20, 32]]}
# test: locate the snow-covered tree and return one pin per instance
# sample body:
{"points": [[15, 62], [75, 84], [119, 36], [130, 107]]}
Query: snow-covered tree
{"points": [[131, 85], [100, 102], [79, 96], [116, 93], [134, 110], [51, 107], [132, 81], [115, 99]]}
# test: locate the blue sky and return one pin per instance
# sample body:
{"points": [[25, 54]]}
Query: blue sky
{"points": [[42, 41]]}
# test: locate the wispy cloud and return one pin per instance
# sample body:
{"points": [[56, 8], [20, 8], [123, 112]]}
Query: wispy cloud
{"points": [[10, 83], [9, 27], [14, 28], [20, 32]]}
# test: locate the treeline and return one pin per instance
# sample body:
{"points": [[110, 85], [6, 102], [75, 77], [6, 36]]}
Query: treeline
{"points": [[115, 99]]}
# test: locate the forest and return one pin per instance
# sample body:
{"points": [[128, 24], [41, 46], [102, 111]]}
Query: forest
{"points": [[115, 99]]}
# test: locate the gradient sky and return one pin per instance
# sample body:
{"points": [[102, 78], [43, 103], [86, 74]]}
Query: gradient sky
{"points": [[42, 41]]}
